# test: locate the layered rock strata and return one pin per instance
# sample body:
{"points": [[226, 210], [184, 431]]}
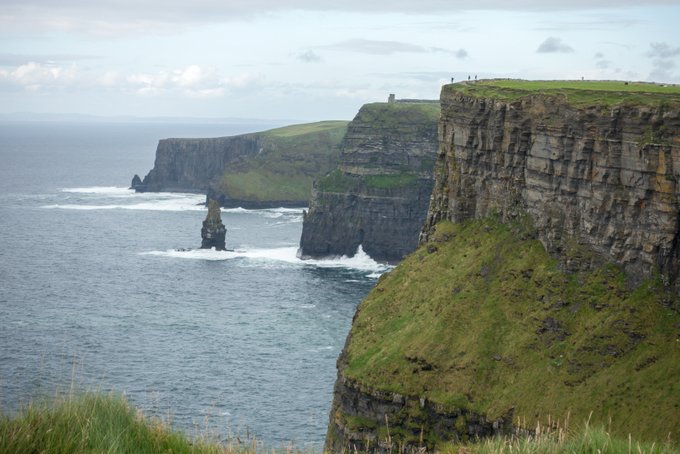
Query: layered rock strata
{"points": [[378, 196], [191, 165], [600, 183]]}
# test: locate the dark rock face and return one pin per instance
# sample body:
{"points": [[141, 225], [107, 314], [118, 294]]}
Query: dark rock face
{"points": [[213, 232], [378, 196], [361, 420], [599, 183], [386, 222], [190, 165], [136, 182]]}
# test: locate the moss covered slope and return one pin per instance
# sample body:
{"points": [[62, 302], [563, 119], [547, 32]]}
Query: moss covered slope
{"points": [[288, 161], [482, 318]]}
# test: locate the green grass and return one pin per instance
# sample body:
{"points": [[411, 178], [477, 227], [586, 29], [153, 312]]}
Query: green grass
{"points": [[390, 181], [392, 115], [290, 159], [98, 423], [560, 440], [332, 127], [578, 93], [92, 423], [500, 326]]}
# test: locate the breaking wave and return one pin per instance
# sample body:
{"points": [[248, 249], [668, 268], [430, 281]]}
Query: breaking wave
{"points": [[284, 255], [123, 198]]}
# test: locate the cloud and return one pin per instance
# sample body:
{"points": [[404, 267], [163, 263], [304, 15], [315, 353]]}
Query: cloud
{"points": [[590, 22], [35, 76], [375, 47], [114, 17], [662, 71], [662, 55], [20, 59], [192, 81], [309, 56], [662, 50], [553, 45], [601, 62], [461, 54]]}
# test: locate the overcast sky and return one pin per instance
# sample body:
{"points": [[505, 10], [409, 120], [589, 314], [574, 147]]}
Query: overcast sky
{"points": [[311, 59]]}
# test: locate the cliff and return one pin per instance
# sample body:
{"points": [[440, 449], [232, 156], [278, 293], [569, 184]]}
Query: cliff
{"points": [[545, 284], [190, 165], [598, 178], [270, 168], [378, 195]]}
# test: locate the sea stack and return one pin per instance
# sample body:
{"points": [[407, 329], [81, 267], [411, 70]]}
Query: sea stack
{"points": [[136, 182], [213, 231]]}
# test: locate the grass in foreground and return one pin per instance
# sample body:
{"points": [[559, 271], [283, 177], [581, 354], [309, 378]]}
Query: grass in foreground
{"points": [[97, 423], [577, 92], [557, 440]]}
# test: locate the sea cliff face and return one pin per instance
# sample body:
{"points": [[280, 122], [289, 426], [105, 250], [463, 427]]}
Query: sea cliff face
{"points": [[600, 183], [378, 195], [191, 165], [266, 169], [548, 261]]}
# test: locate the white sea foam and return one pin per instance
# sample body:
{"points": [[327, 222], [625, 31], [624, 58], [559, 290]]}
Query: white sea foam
{"points": [[100, 198], [159, 205], [273, 213], [104, 190], [361, 261]]}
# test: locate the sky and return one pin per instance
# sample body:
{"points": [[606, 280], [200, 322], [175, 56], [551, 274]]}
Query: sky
{"points": [[311, 60]]}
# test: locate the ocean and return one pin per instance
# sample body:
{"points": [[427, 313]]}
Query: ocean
{"points": [[102, 288]]}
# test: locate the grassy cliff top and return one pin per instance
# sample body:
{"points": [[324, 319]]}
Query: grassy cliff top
{"points": [[386, 115], [291, 158], [331, 127], [483, 318], [577, 92]]}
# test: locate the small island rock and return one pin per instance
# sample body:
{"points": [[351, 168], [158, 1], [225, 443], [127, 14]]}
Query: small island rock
{"points": [[136, 182], [213, 231]]}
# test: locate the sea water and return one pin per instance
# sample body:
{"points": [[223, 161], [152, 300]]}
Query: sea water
{"points": [[102, 288]]}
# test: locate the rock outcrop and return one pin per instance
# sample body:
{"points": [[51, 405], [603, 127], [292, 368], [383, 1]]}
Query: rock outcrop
{"points": [[136, 182], [548, 261], [378, 195], [213, 232], [599, 182]]}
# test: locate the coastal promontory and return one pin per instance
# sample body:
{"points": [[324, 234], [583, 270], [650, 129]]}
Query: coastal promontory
{"points": [[545, 286], [266, 169], [377, 197]]}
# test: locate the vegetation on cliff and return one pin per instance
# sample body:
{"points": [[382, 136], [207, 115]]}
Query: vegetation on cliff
{"points": [[398, 115], [482, 318], [289, 160], [577, 92]]}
